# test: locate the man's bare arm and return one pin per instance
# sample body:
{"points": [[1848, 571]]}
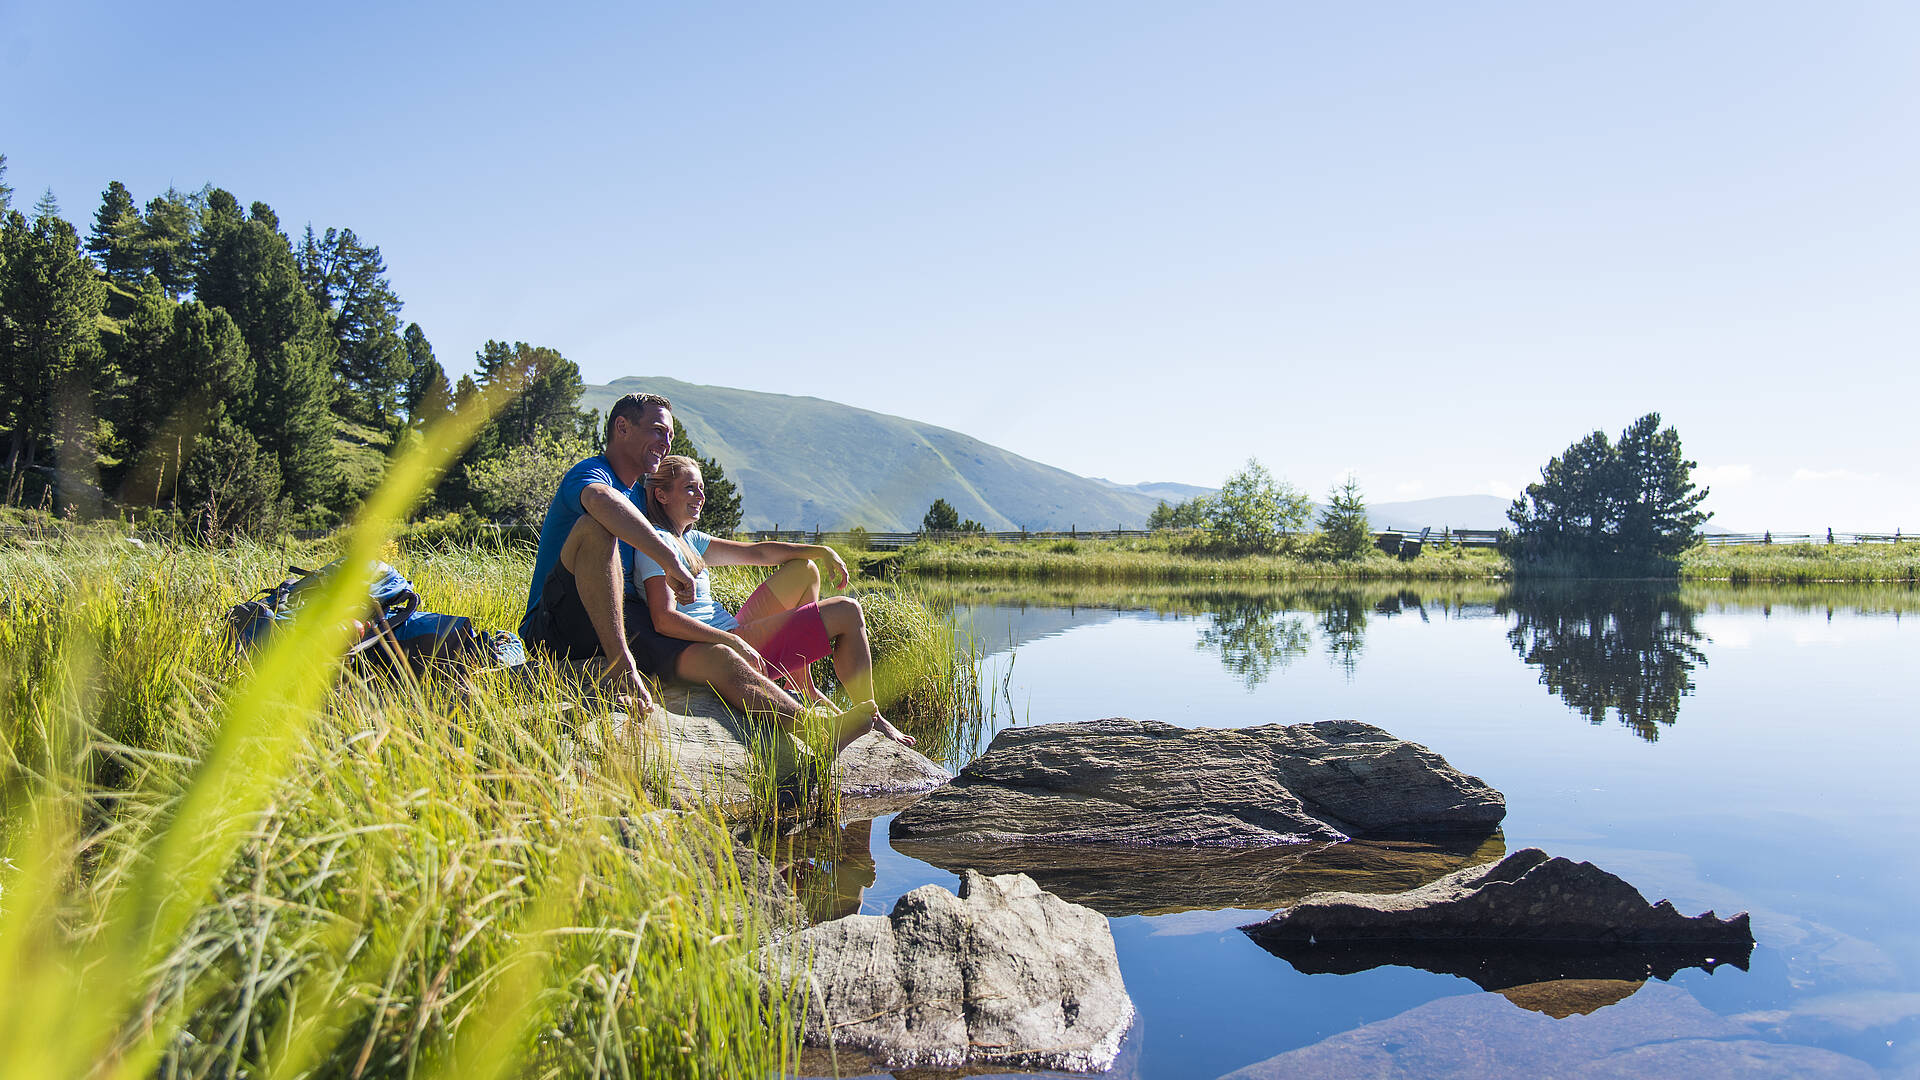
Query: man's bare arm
{"points": [[625, 521]]}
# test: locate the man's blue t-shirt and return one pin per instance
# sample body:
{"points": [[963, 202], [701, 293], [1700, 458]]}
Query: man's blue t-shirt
{"points": [[564, 511], [704, 607]]}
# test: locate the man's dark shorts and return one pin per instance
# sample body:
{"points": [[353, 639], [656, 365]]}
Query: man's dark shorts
{"points": [[560, 625]]}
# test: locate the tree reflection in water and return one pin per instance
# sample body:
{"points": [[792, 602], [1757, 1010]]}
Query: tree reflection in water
{"points": [[1626, 649], [1255, 636]]}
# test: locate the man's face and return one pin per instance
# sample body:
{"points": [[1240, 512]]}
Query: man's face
{"points": [[652, 434]]}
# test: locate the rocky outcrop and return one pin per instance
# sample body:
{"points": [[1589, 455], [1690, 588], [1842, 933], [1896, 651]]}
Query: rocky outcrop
{"points": [[1002, 974], [709, 754], [1131, 880], [1123, 781], [1526, 898]]}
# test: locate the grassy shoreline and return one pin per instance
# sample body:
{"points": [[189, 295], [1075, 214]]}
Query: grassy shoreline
{"points": [[422, 879], [1157, 560]]}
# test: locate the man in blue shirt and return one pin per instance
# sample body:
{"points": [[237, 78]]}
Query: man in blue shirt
{"points": [[575, 606]]}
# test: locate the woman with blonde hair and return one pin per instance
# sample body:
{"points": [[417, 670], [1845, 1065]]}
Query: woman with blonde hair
{"points": [[784, 627]]}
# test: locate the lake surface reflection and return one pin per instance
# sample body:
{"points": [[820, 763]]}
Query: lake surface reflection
{"points": [[1732, 749]]}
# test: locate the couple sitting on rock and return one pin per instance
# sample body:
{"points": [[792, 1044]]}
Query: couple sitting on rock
{"points": [[622, 575]]}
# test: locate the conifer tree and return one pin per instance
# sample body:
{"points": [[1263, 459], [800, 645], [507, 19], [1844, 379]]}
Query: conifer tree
{"points": [[247, 268], [1343, 524], [428, 395], [166, 240], [115, 239], [348, 280], [721, 514], [6, 193], [50, 349], [544, 388], [1608, 504]]}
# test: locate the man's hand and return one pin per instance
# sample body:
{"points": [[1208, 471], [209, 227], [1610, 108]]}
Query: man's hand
{"points": [[748, 653], [678, 583], [624, 680]]}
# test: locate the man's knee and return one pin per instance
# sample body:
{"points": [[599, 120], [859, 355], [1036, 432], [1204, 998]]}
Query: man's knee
{"points": [[589, 543]]}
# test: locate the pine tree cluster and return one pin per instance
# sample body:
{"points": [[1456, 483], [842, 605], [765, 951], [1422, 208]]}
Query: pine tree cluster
{"points": [[188, 358]]}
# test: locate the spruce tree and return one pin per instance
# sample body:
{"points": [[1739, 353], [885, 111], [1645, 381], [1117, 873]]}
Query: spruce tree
{"points": [[6, 193], [50, 348], [428, 395], [721, 514], [168, 232], [115, 239], [1343, 525], [247, 268]]}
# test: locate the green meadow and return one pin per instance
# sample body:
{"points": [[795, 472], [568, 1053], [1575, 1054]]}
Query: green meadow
{"points": [[280, 866]]}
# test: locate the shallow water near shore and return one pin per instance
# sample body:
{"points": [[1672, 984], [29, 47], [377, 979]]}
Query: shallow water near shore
{"points": [[1726, 749]]}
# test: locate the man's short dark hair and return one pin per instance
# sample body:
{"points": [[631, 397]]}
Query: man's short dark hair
{"points": [[632, 407]]}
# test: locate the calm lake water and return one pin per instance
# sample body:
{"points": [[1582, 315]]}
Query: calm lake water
{"points": [[1739, 750]]}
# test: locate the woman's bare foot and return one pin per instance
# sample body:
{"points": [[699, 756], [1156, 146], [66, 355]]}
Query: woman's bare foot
{"points": [[885, 727], [855, 722]]}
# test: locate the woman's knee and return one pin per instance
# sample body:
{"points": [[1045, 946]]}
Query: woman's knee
{"points": [[843, 615], [804, 570]]}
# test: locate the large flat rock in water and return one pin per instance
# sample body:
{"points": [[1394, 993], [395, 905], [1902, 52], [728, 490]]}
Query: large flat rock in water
{"points": [[712, 755], [1121, 781], [1002, 974]]}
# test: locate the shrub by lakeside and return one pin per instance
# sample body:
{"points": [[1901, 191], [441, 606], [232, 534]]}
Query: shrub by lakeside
{"points": [[431, 878]]}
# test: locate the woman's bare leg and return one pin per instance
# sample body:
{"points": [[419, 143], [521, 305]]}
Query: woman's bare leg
{"points": [[853, 657], [795, 584], [742, 687]]}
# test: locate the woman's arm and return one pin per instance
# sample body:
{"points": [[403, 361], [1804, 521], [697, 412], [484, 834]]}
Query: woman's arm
{"points": [[771, 553], [672, 622]]}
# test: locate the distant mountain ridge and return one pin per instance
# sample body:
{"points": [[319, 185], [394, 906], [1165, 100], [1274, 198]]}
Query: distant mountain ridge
{"points": [[804, 462]]}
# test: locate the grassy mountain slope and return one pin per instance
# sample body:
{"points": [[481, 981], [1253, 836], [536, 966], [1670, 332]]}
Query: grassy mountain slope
{"points": [[803, 461]]}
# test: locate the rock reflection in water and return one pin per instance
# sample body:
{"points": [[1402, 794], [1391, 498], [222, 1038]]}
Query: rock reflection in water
{"points": [[1118, 880], [829, 867], [1625, 649], [1558, 980]]}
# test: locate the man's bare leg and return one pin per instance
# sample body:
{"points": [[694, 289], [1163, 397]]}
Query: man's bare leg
{"points": [[592, 556], [739, 685]]}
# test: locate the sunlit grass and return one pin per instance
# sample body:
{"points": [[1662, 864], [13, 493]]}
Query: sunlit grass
{"points": [[1803, 563], [269, 868]]}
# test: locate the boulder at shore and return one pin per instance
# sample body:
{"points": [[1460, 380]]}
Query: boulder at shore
{"points": [[1527, 897], [1123, 781], [1002, 974], [711, 755]]}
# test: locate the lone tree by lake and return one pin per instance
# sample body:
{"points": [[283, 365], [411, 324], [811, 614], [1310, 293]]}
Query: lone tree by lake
{"points": [[1606, 504]]}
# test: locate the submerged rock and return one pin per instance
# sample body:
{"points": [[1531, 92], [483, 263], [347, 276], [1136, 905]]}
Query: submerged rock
{"points": [[1527, 897], [1132, 880], [1002, 974], [1123, 781]]}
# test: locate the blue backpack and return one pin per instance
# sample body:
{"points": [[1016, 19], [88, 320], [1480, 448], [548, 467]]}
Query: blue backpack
{"points": [[393, 630]]}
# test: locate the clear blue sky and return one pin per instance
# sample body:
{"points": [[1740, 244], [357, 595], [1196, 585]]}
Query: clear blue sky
{"points": [[1429, 243]]}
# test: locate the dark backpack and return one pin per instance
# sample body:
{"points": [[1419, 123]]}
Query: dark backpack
{"points": [[393, 629]]}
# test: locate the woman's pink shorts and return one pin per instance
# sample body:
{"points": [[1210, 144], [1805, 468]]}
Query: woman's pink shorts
{"points": [[790, 640]]}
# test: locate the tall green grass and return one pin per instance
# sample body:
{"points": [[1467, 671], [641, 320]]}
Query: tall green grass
{"points": [[1803, 563], [274, 868]]}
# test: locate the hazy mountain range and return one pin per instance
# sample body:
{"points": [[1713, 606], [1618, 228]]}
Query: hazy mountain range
{"points": [[803, 462]]}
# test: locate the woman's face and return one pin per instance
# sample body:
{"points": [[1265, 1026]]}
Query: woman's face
{"points": [[682, 497]]}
